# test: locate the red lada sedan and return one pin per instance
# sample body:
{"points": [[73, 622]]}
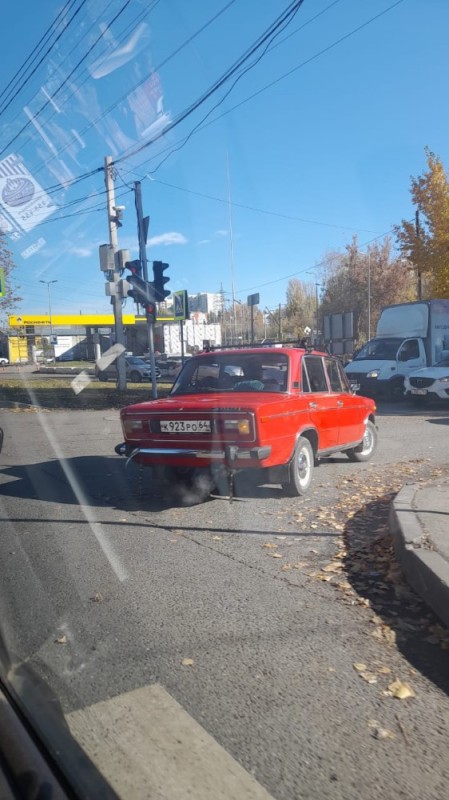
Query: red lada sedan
{"points": [[278, 409]]}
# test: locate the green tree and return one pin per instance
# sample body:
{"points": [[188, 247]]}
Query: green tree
{"points": [[427, 245], [300, 308], [10, 300], [365, 281]]}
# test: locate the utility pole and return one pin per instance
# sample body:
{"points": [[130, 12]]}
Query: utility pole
{"points": [[142, 232], [369, 295], [231, 249], [316, 312], [418, 266], [117, 298]]}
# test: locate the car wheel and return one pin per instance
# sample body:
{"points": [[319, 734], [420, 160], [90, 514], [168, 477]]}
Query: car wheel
{"points": [[367, 447], [135, 377], [103, 376], [300, 469]]}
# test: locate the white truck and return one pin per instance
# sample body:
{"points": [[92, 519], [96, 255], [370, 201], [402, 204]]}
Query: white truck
{"points": [[409, 336]]}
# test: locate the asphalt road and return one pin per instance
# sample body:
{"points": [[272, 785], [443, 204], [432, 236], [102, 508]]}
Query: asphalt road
{"points": [[133, 580]]}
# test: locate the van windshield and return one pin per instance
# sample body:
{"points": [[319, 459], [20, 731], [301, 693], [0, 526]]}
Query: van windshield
{"points": [[379, 349]]}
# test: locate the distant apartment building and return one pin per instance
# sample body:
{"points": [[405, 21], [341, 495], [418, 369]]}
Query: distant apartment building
{"points": [[206, 302]]}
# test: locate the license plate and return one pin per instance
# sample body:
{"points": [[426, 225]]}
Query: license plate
{"points": [[185, 426], [419, 391]]}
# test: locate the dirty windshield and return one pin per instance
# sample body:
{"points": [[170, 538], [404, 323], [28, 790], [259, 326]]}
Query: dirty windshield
{"points": [[223, 573]]}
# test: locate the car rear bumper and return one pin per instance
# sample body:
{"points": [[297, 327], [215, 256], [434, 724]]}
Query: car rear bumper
{"points": [[229, 455]]}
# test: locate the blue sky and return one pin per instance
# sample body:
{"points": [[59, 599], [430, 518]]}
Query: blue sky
{"points": [[329, 150]]}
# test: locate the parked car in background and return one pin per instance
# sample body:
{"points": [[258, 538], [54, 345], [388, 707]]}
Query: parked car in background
{"points": [[3, 361], [429, 383], [137, 370], [275, 410]]}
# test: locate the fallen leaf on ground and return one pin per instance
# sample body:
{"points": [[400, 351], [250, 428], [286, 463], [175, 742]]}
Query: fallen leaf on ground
{"points": [[401, 690], [276, 555], [286, 567], [270, 545], [61, 639], [187, 662], [359, 666], [382, 733], [97, 597], [281, 537], [344, 585], [217, 538], [369, 677], [333, 567], [384, 670]]}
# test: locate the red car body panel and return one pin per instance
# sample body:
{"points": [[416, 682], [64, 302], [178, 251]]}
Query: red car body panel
{"points": [[271, 420]]}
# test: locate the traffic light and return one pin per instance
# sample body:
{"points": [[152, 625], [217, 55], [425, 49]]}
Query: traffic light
{"points": [[150, 309], [135, 267], [160, 280]]}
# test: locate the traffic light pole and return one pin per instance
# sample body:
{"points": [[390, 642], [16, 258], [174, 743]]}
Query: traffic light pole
{"points": [[117, 298], [142, 231]]}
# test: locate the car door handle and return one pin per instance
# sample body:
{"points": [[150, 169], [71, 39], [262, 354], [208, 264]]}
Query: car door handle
{"points": [[313, 405], [340, 403]]}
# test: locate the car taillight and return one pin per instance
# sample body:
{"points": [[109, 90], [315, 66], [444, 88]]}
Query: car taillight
{"points": [[132, 425], [240, 425]]}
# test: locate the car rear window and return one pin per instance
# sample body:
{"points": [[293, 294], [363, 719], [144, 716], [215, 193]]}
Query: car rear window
{"points": [[239, 372]]}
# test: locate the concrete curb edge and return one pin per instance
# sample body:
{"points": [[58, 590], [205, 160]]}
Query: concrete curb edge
{"points": [[426, 571]]}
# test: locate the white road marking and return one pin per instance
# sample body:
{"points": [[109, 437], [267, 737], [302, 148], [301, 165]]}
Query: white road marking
{"points": [[149, 748]]}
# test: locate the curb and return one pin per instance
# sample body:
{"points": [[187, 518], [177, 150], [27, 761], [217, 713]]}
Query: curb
{"points": [[426, 571]]}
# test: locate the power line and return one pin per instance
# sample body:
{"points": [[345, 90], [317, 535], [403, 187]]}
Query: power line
{"points": [[156, 69], [320, 264], [46, 35], [316, 55], [179, 145], [133, 25], [2, 110], [256, 209], [279, 23], [61, 85]]}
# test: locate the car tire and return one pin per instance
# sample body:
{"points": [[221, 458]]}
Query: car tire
{"points": [[367, 447], [135, 377], [300, 469], [103, 376]]}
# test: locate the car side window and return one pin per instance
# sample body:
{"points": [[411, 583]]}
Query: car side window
{"points": [[344, 379], [316, 374], [305, 386], [409, 350], [334, 375]]}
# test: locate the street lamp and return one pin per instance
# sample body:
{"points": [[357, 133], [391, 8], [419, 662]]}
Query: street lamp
{"points": [[48, 284]]}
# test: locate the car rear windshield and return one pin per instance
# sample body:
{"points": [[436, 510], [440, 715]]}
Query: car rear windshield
{"points": [[238, 372]]}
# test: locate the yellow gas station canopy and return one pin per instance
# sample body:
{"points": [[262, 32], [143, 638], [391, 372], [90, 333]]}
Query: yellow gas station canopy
{"points": [[75, 320]]}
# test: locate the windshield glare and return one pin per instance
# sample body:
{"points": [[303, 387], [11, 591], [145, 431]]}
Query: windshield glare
{"points": [[379, 349]]}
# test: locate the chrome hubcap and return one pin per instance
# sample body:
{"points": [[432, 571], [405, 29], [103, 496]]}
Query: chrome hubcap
{"points": [[303, 466], [367, 441]]}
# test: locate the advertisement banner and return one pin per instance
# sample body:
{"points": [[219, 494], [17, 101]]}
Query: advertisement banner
{"points": [[22, 199]]}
